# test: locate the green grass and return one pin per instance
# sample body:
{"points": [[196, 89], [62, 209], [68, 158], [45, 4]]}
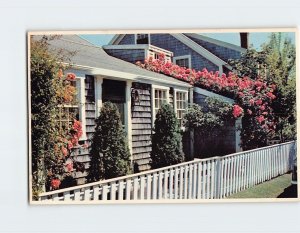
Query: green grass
{"points": [[277, 187]]}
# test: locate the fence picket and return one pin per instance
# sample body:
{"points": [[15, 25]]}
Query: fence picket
{"points": [[199, 183], [217, 177]]}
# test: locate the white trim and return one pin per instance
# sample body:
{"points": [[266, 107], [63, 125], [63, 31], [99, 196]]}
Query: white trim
{"points": [[98, 94], [217, 42], [127, 116], [153, 88], [116, 39], [189, 57], [127, 46], [135, 38], [175, 102], [118, 75], [238, 124], [81, 99], [211, 94], [199, 49], [221, 70]]}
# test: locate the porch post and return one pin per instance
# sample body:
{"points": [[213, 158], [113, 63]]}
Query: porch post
{"points": [[192, 135], [98, 94], [128, 124]]}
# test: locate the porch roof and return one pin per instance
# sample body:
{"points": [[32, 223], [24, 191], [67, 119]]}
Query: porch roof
{"points": [[95, 59]]}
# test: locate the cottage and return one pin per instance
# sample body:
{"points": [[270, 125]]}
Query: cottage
{"points": [[107, 74], [193, 51]]}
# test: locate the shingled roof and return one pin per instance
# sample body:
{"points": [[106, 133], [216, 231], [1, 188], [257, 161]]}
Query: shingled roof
{"points": [[89, 55]]}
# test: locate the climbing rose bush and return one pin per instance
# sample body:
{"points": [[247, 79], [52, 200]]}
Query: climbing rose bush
{"points": [[253, 97]]}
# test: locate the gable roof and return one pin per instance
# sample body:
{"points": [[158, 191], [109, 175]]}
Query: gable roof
{"points": [[190, 43], [216, 42], [87, 55]]}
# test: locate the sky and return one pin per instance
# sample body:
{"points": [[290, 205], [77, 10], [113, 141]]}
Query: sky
{"points": [[255, 39]]}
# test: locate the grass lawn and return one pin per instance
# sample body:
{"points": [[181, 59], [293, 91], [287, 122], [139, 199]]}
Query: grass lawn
{"points": [[279, 187]]}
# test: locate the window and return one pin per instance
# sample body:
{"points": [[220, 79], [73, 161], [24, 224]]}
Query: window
{"points": [[183, 61], [160, 97], [181, 105], [67, 113], [142, 39]]}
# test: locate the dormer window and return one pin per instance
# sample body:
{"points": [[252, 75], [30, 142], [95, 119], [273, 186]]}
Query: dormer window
{"points": [[142, 39], [183, 61]]}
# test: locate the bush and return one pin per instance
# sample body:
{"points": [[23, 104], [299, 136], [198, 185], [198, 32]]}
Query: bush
{"points": [[110, 156], [167, 139]]}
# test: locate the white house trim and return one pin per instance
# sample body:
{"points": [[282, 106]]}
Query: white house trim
{"points": [[81, 101], [127, 46], [116, 39], [199, 49], [189, 57], [216, 42], [211, 94], [118, 75], [98, 94], [127, 114], [153, 88]]}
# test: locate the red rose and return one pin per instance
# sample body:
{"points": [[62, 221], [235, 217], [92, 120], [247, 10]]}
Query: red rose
{"points": [[64, 151], [55, 183], [71, 77], [237, 111]]}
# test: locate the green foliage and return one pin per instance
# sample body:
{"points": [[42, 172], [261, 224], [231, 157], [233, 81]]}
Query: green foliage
{"points": [[110, 156], [281, 70], [167, 139], [275, 65], [206, 119], [208, 124], [43, 66]]}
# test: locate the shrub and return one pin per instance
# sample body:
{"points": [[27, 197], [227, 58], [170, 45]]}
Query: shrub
{"points": [[110, 156], [167, 139]]}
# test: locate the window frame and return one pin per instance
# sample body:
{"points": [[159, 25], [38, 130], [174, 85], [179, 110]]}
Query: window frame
{"points": [[154, 88], [136, 37], [176, 109], [189, 57]]}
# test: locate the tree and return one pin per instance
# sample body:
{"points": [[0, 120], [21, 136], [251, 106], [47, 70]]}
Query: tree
{"points": [[43, 103], [281, 70], [51, 146], [110, 156], [274, 65], [167, 139]]}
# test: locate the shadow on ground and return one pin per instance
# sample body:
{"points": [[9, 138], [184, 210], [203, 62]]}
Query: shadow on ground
{"points": [[289, 192]]}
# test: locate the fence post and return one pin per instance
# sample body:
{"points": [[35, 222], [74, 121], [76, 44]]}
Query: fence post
{"points": [[217, 177]]}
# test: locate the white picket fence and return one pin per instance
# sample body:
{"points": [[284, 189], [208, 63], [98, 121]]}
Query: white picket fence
{"points": [[212, 178]]}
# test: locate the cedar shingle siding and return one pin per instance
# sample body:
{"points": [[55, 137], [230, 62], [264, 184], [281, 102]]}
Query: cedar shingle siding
{"points": [[141, 127], [220, 51], [82, 155], [128, 39], [168, 42], [132, 56]]}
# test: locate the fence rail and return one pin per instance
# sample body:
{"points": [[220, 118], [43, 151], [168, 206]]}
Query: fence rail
{"points": [[212, 178]]}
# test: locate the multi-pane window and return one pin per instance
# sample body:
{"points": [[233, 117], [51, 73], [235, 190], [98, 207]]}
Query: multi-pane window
{"points": [[142, 38], [67, 113], [181, 105], [160, 97], [184, 62]]}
